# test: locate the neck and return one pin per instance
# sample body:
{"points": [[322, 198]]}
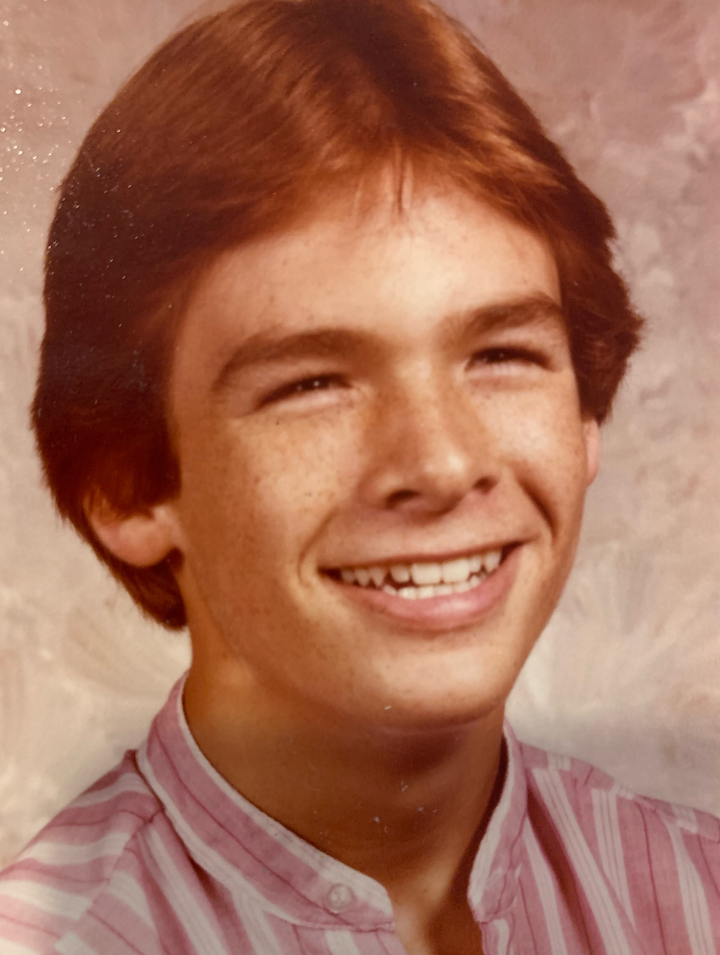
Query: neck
{"points": [[407, 808]]}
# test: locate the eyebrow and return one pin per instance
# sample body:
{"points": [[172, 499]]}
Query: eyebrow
{"points": [[529, 310], [268, 347]]}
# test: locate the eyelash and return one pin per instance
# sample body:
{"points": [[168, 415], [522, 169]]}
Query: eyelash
{"points": [[503, 355], [488, 356], [303, 386]]}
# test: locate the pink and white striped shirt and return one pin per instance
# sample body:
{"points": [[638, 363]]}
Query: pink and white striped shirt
{"points": [[162, 857]]}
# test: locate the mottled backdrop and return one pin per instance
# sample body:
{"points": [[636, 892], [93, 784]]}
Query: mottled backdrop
{"points": [[628, 675]]}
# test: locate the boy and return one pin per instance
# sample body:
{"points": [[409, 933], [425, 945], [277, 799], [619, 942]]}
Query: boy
{"points": [[331, 327]]}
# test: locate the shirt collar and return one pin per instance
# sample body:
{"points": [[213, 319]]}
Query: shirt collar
{"points": [[254, 855], [494, 875]]}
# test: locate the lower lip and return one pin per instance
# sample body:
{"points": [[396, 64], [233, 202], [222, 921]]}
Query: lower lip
{"points": [[441, 613]]}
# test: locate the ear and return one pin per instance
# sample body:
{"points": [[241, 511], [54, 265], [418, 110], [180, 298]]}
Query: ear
{"points": [[592, 448], [142, 539]]}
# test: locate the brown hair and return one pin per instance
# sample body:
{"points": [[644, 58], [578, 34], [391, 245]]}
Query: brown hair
{"points": [[235, 126]]}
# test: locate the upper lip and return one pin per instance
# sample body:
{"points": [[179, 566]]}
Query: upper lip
{"points": [[419, 558]]}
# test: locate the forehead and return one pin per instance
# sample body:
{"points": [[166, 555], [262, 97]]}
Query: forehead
{"points": [[380, 270]]}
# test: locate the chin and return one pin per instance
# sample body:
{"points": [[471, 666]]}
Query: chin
{"points": [[438, 704]]}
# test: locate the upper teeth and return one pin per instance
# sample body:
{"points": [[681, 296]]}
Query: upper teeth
{"points": [[457, 571]]}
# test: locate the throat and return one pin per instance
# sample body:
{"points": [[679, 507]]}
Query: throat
{"points": [[451, 930], [433, 915]]}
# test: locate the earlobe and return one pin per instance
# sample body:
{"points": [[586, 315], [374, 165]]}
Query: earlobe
{"points": [[592, 448], [142, 539]]}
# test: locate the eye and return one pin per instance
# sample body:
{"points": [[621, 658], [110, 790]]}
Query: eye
{"points": [[304, 386], [508, 355]]}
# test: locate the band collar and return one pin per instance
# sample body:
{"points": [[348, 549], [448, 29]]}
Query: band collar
{"points": [[253, 855]]}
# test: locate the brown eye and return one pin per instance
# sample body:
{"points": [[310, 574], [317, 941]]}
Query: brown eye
{"points": [[312, 384], [304, 386], [500, 356]]}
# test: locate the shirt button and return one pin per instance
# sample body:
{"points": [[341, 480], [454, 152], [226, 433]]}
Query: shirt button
{"points": [[339, 897]]}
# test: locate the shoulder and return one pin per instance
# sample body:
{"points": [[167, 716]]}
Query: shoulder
{"points": [[659, 859], [652, 862], [88, 852], [565, 783]]}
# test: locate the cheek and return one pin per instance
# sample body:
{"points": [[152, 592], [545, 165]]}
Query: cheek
{"points": [[267, 486], [304, 465], [543, 436]]}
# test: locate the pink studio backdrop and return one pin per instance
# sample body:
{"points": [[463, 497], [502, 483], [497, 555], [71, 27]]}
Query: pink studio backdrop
{"points": [[628, 674]]}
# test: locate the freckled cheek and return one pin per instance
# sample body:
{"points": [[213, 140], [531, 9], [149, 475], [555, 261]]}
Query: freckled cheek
{"points": [[280, 481], [542, 439]]}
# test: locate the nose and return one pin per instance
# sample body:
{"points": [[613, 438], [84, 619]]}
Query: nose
{"points": [[430, 448]]}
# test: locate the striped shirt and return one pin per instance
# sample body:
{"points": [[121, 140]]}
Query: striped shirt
{"points": [[162, 857]]}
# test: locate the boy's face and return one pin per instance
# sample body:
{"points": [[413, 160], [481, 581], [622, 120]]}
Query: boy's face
{"points": [[371, 395]]}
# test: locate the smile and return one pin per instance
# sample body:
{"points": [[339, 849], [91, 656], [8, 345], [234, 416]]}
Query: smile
{"points": [[433, 595], [424, 579]]}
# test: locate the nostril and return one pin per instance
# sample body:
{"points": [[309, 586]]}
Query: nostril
{"points": [[486, 484], [399, 497]]}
